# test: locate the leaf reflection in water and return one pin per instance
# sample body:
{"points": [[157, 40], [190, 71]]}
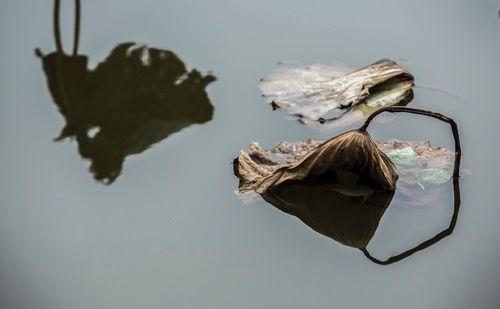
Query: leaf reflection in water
{"points": [[133, 99]]}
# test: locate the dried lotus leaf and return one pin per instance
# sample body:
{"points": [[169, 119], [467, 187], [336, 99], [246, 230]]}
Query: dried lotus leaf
{"points": [[352, 151]]}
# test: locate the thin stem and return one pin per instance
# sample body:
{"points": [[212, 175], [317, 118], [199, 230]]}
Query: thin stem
{"points": [[454, 127], [76, 35], [57, 30], [60, 61], [446, 232], [456, 182]]}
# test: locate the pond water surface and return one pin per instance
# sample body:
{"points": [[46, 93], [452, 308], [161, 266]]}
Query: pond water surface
{"points": [[169, 232]]}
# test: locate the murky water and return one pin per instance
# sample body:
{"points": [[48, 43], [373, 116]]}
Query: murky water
{"points": [[169, 232]]}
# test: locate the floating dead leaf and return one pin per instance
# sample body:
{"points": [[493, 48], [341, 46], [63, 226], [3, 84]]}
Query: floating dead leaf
{"points": [[417, 163], [352, 151], [332, 96]]}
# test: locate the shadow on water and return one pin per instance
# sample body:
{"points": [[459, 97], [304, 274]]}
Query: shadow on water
{"points": [[348, 214], [350, 217], [133, 99]]}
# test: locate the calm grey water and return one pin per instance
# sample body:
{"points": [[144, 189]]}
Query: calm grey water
{"points": [[170, 233]]}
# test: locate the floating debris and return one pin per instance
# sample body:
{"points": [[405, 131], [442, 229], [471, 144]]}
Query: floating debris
{"points": [[416, 162], [332, 96], [353, 151]]}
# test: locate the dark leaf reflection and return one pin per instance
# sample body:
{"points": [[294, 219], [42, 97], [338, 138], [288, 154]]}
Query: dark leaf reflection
{"points": [[133, 99], [349, 214]]}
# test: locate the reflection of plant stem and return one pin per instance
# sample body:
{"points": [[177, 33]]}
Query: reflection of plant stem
{"points": [[431, 241], [456, 182], [60, 51], [60, 59], [76, 35], [57, 31]]}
